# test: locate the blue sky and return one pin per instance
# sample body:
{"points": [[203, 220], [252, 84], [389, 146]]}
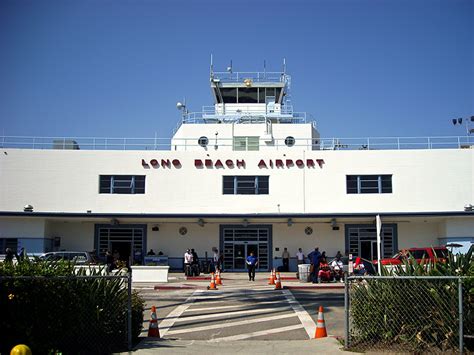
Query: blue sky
{"points": [[117, 68]]}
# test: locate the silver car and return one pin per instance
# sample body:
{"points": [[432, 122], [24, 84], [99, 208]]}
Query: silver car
{"points": [[77, 257]]}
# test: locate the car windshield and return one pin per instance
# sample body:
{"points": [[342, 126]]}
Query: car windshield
{"points": [[441, 253]]}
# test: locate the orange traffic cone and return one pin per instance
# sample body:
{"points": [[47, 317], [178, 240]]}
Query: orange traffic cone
{"points": [[278, 282], [321, 326], [153, 330], [218, 278], [271, 279], [212, 286]]}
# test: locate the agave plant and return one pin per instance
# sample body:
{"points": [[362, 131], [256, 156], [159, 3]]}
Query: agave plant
{"points": [[415, 313]]}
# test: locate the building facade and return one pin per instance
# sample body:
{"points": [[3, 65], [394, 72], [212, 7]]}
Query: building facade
{"points": [[247, 174]]}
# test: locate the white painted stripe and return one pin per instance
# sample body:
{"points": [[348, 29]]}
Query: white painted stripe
{"points": [[240, 293], [232, 324], [246, 304], [304, 317], [240, 298], [173, 316], [257, 334], [219, 315], [229, 288]]}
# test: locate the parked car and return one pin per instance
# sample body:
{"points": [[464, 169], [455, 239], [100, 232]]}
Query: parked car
{"points": [[78, 257], [429, 254]]}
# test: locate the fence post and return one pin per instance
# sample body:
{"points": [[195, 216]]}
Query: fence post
{"points": [[346, 311], [129, 311], [461, 332]]}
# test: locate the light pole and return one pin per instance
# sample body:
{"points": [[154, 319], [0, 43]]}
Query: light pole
{"points": [[469, 122]]}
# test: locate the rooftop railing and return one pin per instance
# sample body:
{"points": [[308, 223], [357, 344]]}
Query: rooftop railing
{"points": [[104, 143], [258, 77]]}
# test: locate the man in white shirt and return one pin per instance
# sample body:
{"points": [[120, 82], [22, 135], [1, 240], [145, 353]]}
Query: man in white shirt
{"points": [[188, 260], [300, 256]]}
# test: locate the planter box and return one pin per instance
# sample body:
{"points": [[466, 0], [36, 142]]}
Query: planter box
{"points": [[150, 273]]}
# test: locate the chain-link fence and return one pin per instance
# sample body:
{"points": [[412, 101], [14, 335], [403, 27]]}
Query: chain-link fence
{"points": [[414, 314], [68, 314]]}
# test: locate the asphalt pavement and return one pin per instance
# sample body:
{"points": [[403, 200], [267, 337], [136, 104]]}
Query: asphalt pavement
{"points": [[241, 315]]}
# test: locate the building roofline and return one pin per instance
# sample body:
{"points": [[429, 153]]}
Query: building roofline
{"points": [[234, 215]]}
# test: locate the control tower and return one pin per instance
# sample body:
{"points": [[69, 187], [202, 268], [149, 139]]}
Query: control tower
{"points": [[251, 111]]}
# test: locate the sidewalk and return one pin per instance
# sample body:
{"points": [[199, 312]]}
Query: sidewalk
{"points": [[323, 345], [178, 281]]}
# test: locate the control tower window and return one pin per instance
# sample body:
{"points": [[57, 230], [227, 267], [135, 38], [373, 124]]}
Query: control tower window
{"points": [[248, 95], [261, 95], [269, 92], [229, 95]]}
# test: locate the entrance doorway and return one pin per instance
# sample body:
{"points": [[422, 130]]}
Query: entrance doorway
{"points": [[129, 240], [368, 249], [361, 240], [124, 250], [241, 252], [237, 242]]}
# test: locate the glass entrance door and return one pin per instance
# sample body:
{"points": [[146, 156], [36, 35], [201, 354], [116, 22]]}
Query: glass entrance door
{"points": [[239, 256], [241, 252], [368, 249], [237, 242]]}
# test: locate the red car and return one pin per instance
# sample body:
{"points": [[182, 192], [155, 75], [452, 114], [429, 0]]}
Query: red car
{"points": [[431, 254]]}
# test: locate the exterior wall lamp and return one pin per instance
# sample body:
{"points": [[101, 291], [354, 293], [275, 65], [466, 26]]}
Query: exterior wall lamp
{"points": [[28, 208]]}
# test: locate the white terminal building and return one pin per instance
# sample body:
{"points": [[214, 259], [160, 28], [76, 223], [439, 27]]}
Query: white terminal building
{"points": [[246, 174]]}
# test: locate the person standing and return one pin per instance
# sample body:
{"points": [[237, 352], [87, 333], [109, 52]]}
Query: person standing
{"points": [[109, 260], [300, 256], [221, 262], [9, 256], [188, 260], [314, 257], [215, 260], [195, 264], [252, 262], [286, 260]]}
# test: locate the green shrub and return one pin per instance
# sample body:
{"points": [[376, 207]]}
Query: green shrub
{"points": [[416, 314], [50, 313]]}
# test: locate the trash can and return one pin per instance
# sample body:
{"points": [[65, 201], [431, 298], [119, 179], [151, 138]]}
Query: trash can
{"points": [[303, 272]]}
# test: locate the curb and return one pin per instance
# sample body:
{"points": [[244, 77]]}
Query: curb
{"points": [[182, 287], [314, 287]]}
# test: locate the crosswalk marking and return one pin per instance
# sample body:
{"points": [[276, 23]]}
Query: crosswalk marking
{"points": [[232, 306], [219, 315], [173, 316], [232, 324], [303, 316], [256, 334]]}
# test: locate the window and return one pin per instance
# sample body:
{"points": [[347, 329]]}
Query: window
{"points": [[369, 184], [229, 95], [11, 243], [245, 185], [290, 141], [122, 184], [203, 141], [419, 254], [246, 143], [248, 95]]}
